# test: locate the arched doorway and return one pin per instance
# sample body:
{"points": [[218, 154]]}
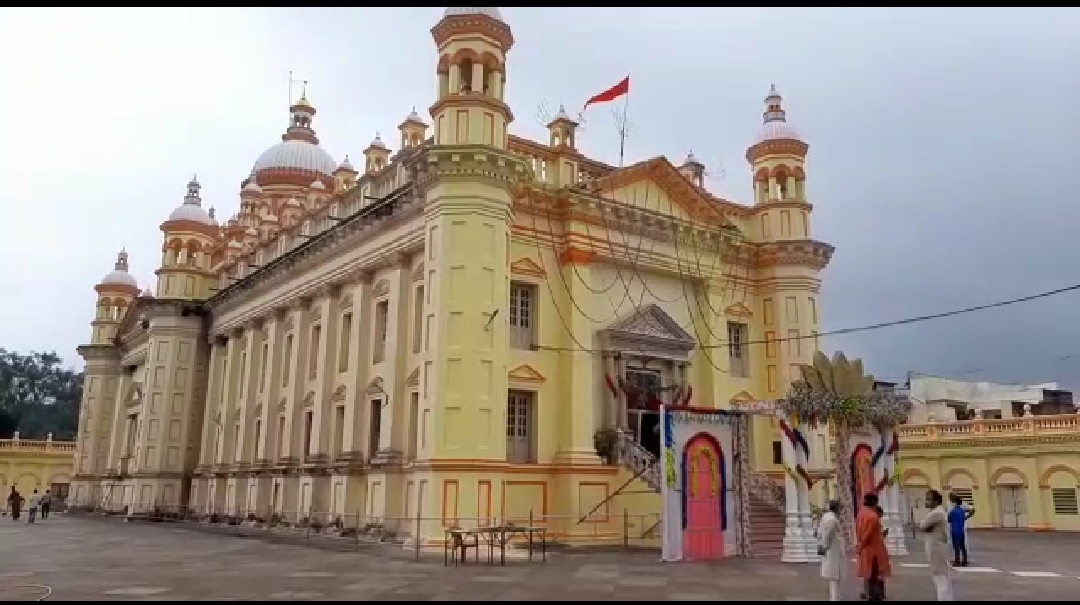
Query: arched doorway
{"points": [[704, 496]]}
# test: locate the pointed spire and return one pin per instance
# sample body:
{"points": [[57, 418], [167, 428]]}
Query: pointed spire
{"points": [[121, 260]]}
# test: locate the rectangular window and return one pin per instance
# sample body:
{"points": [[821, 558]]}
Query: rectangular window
{"points": [[263, 360], [965, 495], [813, 310], [794, 344], [414, 423], [770, 344], [309, 418], [279, 451], [1064, 500], [258, 436], [243, 374], [382, 316], [777, 452], [520, 433], [236, 442], [522, 315], [418, 319], [339, 429], [374, 427], [224, 380], [313, 353], [287, 367], [344, 342], [768, 311], [738, 353]]}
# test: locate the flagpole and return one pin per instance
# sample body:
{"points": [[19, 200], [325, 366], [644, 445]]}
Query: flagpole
{"points": [[622, 128]]}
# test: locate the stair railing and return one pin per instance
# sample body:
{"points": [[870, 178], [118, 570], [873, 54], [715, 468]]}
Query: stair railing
{"points": [[768, 491], [638, 460]]}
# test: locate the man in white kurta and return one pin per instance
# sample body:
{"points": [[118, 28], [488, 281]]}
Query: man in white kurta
{"points": [[831, 548], [935, 535]]}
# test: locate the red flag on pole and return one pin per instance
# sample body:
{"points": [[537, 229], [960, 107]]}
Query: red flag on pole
{"points": [[610, 94]]}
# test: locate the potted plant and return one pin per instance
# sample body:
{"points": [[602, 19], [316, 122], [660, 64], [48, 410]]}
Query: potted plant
{"points": [[606, 443]]}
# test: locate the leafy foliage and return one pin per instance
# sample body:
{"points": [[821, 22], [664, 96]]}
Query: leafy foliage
{"points": [[38, 396], [839, 392]]}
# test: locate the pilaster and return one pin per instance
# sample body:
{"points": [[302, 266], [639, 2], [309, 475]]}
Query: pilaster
{"points": [[214, 399], [578, 409], [326, 316], [357, 376]]}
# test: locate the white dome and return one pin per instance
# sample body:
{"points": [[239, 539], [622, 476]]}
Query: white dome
{"points": [[318, 185], [296, 155], [486, 11], [191, 212], [777, 130], [119, 277]]}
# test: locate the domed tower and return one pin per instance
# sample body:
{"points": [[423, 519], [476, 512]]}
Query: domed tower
{"points": [[413, 130], [778, 156], [471, 107], [468, 214], [190, 236], [345, 176], [376, 156], [115, 293], [693, 170], [298, 159]]}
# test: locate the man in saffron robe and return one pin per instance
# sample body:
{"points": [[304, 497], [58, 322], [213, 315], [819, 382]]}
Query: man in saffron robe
{"points": [[873, 557]]}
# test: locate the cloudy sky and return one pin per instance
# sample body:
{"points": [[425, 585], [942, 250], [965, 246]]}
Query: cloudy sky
{"points": [[944, 144]]}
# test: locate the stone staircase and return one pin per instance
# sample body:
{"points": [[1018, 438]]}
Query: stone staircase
{"points": [[767, 520]]}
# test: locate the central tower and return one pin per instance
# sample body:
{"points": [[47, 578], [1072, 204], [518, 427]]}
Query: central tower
{"points": [[467, 181]]}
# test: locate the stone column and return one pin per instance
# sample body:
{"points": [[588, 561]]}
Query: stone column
{"points": [[800, 545]]}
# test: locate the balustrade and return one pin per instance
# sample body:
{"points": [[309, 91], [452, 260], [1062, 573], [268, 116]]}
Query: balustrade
{"points": [[1057, 424], [639, 460]]}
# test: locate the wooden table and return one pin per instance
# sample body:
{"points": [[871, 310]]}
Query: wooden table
{"points": [[495, 536]]}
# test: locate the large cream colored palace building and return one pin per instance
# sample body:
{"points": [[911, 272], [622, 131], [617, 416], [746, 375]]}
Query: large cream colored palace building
{"points": [[441, 331]]}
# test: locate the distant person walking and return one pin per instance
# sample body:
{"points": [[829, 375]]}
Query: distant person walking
{"points": [[46, 504], [35, 502], [15, 502], [831, 548], [958, 518], [873, 557], [935, 529]]}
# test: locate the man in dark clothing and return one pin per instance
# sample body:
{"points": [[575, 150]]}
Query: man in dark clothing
{"points": [[46, 504], [958, 518], [15, 501]]}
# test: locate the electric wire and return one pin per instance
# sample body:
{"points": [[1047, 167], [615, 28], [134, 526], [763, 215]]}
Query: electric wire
{"points": [[893, 323]]}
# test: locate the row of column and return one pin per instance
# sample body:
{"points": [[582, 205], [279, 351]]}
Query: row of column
{"points": [[258, 408]]}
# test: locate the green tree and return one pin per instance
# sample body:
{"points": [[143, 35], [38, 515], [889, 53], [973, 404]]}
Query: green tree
{"points": [[38, 396]]}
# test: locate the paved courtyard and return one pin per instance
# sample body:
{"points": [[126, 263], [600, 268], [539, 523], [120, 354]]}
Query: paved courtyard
{"points": [[96, 559]]}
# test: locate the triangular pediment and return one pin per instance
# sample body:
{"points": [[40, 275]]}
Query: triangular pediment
{"points": [[658, 186], [650, 331], [527, 267], [525, 373], [413, 381], [738, 310], [130, 321]]}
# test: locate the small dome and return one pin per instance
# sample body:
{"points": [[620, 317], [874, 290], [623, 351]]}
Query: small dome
{"points": [[346, 165], [251, 232], [777, 130], [234, 244], [119, 276], [465, 11], [189, 212], [251, 186], [414, 118], [270, 218], [377, 143], [692, 159], [296, 155], [317, 185], [293, 203], [147, 293]]}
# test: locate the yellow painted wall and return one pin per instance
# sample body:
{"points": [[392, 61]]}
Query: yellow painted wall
{"points": [[30, 464], [999, 461]]}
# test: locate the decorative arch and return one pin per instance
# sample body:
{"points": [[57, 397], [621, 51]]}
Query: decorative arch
{"points": [[36, 479], [1044, 479], [60, 477], [781, 171], [1007, 470], [912, 474], [798, 173], [174, 244], [464, 54], [762, 175], [947, 480], [713, 444]]}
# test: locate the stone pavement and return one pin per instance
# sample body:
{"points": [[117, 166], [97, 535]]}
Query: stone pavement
{"points": [[95, 559]]}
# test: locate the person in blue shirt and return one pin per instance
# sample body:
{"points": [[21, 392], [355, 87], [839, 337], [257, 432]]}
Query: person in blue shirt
{"points": [[958, 517]]}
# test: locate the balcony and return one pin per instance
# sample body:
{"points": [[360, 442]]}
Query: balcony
{"points": [[964, 432], [37, 446]]}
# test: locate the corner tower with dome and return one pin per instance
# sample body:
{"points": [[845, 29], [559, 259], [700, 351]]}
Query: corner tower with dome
{"points": [[472, 326]]}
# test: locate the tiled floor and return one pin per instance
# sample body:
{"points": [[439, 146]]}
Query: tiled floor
{"points": [[89, 559]]}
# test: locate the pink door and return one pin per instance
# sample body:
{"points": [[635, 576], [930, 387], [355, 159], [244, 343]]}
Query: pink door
{"points": [[703, 497]]}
